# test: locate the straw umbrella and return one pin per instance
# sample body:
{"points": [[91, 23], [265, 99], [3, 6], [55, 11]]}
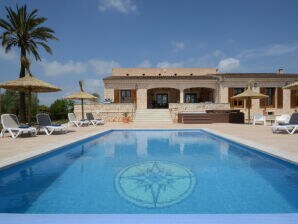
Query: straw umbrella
{"points": [[81, 96], [293, 86], [249, 94], [29, 84]]}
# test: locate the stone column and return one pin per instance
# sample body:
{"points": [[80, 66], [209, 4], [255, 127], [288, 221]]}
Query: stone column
{"points": [[109, 94], [181, 96], [255, 104], [141, 99], [223, 95], [286, 101]]}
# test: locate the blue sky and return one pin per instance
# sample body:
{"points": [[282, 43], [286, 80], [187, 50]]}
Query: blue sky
{"points": [[97, 35]]}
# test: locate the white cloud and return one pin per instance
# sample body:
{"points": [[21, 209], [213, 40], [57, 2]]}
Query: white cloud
{"points": [[178, 46], [56, 68], [93, 86], [271, 50], [144, 64], [123, 6], [103, 67], [228, 65], [166, 64], [100, 67], [11, 55]]}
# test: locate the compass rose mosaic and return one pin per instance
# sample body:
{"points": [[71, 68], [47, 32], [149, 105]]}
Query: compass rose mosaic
{"points": [[155, 184]]}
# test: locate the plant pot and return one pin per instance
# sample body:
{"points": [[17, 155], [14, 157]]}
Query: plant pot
{"points": [[125, 119]]}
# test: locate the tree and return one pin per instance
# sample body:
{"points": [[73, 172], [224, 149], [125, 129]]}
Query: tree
{"points": [[60, 108], [98, 98], [9, 103], [23, 30]]}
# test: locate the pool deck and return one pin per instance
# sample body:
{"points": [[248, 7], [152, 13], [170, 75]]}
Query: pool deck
{"points": [[284, 146]]}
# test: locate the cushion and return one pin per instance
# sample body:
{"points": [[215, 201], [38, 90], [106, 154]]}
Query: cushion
{"points": [[56, 125], [24, 126]]}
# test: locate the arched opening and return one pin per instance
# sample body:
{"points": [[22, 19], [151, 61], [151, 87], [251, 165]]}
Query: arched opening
{"points": [[161, 97], [199, 95]]}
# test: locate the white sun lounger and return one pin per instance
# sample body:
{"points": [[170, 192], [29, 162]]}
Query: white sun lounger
{"points": [[45, 124], [93, 121], [10, 123], [73, 120], [290, 127]]}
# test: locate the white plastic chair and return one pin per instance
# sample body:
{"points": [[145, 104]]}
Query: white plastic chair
{"points": [[45, 124], [94, 121], [11, 124], [282, 119], [289, 127], [259, 118], [73, 120]]}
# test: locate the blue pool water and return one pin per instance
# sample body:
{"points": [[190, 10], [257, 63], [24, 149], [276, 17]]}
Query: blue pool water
{"points": [[173, 171]]}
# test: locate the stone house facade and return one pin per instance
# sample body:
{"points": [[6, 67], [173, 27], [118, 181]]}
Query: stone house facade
{"points": [[192, 89]]}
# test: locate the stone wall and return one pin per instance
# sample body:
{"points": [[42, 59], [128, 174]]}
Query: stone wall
{"points": [[175, 108], [110, 112]]}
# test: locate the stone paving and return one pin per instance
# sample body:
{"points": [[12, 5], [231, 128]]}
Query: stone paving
{"points": [[260, 137]]}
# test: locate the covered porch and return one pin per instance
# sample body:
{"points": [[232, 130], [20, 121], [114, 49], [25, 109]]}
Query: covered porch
{"points": [[162, 97]]}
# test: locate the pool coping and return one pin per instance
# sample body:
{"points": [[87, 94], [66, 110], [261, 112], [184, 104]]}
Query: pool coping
{"points": [[271, 151], [290, 218]]}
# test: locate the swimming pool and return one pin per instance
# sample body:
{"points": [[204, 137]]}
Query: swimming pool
{"points": [[152, 172]]}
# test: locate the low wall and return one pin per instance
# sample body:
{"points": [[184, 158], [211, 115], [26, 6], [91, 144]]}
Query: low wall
{"points": [[175, 108], [110, 112]]}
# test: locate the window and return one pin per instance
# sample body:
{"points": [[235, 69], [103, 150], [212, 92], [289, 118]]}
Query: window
{"points": [[191, 98], [234, 92], [125, 96], [270, 101]]}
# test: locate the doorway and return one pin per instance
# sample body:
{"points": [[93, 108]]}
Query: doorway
{"points": [[162, 101]]}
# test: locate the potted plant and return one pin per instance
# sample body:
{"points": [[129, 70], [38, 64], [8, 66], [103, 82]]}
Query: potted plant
{"points": [[125, 118]]}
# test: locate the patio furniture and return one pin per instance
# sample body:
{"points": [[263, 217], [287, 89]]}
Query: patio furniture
{"points": [[11, 124], [73, 120], [259, 118], [211, 116], [282, 119], [46, 125], [290, 127], [94, 121]]}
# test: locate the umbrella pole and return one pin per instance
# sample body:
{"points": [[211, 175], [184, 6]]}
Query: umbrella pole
{"points": [[82, 102], [248, 110], [29, 107]]}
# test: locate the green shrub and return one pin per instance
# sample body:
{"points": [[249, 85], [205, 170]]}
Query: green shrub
{"points": [[60, 108]]}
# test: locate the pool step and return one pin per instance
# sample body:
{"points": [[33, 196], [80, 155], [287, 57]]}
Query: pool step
{"points": [[153, 116]]}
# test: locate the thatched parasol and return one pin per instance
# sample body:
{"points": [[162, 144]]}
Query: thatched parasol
{"points": [[249, 94], [29, 84], [293, 86], [81, 96]]}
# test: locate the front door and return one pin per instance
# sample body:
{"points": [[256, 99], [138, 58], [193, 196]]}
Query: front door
{"points": [[162, 101]]}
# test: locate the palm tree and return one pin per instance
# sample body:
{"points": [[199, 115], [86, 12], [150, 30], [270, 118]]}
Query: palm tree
{"points": [[23, 30]]}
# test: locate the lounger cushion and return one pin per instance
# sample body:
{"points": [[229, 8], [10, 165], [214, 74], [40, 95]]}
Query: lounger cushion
{"points": [[24, 126]]}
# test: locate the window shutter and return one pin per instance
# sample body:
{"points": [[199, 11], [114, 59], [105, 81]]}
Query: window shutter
{"points": [[262, 101], [133, 96], [293, 99], [116, 96], [230, 95], [273, 97], [279, 97]]}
